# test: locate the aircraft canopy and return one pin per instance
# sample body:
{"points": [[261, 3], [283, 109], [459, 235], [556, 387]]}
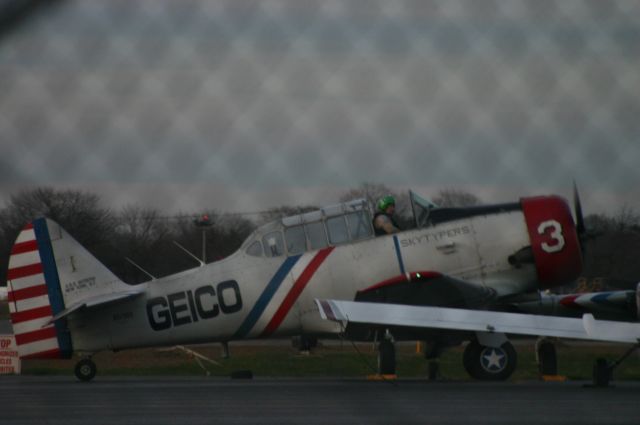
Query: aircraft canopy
{"points": [[329, 226]]}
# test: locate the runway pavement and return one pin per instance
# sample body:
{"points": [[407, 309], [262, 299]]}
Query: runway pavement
{"points": [[108, 400]]}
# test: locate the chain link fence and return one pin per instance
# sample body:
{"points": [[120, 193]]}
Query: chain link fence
{"points": [[252, 104]]}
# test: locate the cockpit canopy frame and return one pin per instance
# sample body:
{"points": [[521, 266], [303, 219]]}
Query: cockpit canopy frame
{"points": [[333, 225]]}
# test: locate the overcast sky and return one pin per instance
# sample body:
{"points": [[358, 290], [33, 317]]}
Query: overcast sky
{"points": [[244, 105]]}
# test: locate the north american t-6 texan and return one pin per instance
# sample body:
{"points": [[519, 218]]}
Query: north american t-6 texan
{"points": [[455, 276]]}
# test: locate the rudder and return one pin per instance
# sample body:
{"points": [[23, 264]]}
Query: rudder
{"points": [[35, 296]]}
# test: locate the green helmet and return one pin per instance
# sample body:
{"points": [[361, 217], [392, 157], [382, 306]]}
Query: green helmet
{"points": [[385, 202]]}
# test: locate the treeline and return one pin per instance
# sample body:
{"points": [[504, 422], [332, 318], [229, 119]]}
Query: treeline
{"points": [[611, 251], [132, 234], [151, 239]]}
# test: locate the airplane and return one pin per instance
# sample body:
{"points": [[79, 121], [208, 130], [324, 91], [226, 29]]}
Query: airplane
{"points": [[62, 300]]}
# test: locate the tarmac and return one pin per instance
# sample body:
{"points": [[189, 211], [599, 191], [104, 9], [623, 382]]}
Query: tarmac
{"points": [[31, 400], [161, 400]]}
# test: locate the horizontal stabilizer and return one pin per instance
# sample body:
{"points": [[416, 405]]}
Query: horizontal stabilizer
{"points": [[50, 275], [478, 321], [98, 300]]}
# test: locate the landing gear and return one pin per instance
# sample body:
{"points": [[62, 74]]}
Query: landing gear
{"points": [[603, 370], [547, 358], [387, 356], [225, 350], [304, 343], [602, 373], [432, 352], [490, 363], [85, 369], [307, 342]]}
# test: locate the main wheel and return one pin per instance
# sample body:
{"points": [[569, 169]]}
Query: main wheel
{"points": [[490, 363], [85, 370], [548, 359], [308, 342]]}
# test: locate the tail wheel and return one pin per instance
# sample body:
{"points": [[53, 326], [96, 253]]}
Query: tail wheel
{"points": [[490, 363], [85, 370]]}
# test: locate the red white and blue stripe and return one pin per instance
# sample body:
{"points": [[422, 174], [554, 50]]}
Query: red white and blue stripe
{"points": [[280, 294]]}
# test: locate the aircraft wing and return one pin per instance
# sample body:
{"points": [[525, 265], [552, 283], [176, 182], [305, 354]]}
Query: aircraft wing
{"points": [[586, 328]]}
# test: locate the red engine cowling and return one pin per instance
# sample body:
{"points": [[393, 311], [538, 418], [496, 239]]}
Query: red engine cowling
{"points": [[554, 240]]}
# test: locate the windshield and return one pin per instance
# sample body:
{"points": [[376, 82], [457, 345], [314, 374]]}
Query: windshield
{"points": [[421, 208]]}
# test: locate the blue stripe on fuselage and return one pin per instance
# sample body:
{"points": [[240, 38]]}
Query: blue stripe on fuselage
{"points": [[53, 284], [399, 254], [266, 297], [603, 299]]}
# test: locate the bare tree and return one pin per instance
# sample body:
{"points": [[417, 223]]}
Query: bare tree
{"points": [[284, 211], [372, 192], [141, 235], [230, 232], [7, 236], [149, 239], [80, 213], [143, 226], [611, 251], [455, 198], [222, 238], [369, 191], [627, 220]]}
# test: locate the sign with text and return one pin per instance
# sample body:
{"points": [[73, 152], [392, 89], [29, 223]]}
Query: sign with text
{"points": [[9, 359]]}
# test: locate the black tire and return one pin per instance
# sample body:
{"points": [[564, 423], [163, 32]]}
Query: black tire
{"points": [[85, 370], [386, 358], [490, 363], [308, 342]]}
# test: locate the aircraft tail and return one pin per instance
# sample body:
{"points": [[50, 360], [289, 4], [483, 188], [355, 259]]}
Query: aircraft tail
{"points": [[51, 275]]}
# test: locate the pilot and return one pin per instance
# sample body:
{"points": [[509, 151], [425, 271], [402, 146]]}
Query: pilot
{"points": [[383, 221]]}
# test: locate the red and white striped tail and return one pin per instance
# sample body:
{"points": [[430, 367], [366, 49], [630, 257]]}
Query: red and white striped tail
{"points": [[29, 297]]}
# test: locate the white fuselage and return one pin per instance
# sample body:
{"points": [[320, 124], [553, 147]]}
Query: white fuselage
{"points": [[247, 296]]}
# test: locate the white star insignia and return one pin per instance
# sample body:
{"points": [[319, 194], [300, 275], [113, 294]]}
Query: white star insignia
{"points": [[493, 360]]}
